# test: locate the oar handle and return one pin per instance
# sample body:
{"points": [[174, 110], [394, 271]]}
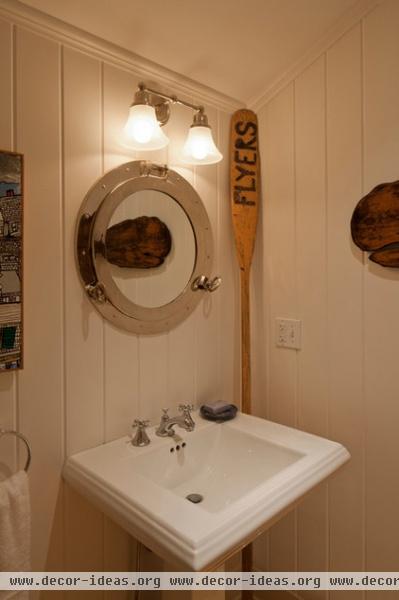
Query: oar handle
{"points": [[245, 342]]}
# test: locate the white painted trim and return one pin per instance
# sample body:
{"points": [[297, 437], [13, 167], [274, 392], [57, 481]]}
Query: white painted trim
{"points": [[347, 21], [63, 33]]}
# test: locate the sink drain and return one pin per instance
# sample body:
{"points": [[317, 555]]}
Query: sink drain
{"points": [[195, 498]]}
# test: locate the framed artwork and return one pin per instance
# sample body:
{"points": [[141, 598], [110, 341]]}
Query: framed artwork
{"points": [[11, 247]]}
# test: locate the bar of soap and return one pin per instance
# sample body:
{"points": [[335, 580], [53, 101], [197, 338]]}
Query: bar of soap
{"points": [[218, 411]]}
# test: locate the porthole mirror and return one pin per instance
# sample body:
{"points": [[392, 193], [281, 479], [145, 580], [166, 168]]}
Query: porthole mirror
{"points": [[144, 247]]}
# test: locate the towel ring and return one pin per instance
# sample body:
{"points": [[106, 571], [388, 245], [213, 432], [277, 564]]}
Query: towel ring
{"points": [[23, 438]]}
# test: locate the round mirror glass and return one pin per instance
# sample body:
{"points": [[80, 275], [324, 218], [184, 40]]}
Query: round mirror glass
{"points": [[150, 247]]}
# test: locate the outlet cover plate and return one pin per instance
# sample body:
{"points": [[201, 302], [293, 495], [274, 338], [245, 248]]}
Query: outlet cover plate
{"points": [[288, 333]]}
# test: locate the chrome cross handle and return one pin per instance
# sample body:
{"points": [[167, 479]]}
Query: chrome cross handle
{"points": [[141, 438], [186, 407]]}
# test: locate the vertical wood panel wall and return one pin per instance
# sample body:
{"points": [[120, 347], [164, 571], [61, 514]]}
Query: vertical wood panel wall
{"points": [[327, 138], [85, 381]]}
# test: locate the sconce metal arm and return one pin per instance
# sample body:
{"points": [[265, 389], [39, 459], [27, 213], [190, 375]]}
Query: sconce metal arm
{"points": [[172, 99]]}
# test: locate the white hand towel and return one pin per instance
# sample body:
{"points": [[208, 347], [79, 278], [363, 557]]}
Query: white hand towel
{"points": [[15, 529]]}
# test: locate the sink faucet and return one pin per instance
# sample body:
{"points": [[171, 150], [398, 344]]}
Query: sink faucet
{"points": [[185, 420]]}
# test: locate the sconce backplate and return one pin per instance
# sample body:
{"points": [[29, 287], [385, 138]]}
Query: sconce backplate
{"points": [[162, 108]]}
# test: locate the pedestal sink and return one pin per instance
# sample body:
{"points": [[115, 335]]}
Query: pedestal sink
{"points": [[198, 497]]}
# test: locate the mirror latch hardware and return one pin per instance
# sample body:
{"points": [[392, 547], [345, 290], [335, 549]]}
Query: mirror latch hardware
{"points": [[204, 283], [96, 291], [149, 168]]}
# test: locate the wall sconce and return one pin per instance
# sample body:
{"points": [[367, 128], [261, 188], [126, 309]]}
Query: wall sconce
{"points": [[150, 110]]}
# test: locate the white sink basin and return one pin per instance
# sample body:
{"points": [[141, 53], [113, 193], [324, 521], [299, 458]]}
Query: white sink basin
{"points": [[247, 470]]}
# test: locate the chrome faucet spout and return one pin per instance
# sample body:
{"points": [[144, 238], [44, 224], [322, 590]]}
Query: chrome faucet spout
{"points": [[167, 424]]}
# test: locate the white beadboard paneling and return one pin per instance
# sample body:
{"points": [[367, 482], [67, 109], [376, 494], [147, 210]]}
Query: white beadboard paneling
{"points": [[84, 331], [381, 150], [182, 365], [41, 381], [205, 182], [7, 380], [153, 379], [311, 245], [345, 337], [279, 197], [312, 297], [121, 396], [277, 125]]}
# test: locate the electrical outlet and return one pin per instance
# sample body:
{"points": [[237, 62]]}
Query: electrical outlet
{"points": [[288, 333]]}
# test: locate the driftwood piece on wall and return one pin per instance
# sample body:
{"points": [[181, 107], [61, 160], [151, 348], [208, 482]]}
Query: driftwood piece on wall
{"points": [[375, 224], [141, 243]]}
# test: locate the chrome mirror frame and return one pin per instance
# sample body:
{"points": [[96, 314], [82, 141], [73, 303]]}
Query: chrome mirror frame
{"points": [[93, 220]]}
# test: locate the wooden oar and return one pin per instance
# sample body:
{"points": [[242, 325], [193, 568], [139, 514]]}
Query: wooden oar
{"points": [[244, 190]]}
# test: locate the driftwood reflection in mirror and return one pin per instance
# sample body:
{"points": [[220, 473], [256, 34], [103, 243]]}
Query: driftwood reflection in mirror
{"points": [[140, 243]]}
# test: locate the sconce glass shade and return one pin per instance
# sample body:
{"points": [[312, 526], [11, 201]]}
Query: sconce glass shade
{"points": [[199, 148], [142, 129]]}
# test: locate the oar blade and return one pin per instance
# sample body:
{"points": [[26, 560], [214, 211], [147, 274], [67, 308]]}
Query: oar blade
{"points": [[244, 182]]}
